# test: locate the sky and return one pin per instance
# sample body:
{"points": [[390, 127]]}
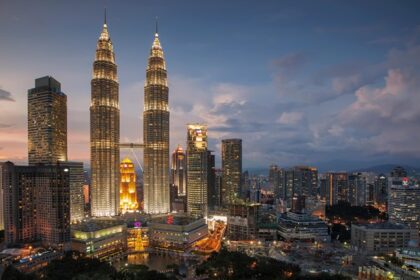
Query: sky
{"points": [[334, 84]]}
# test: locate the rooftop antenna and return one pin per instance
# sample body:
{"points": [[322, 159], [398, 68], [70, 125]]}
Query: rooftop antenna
{"points": [[105, 16], [156, 25]]}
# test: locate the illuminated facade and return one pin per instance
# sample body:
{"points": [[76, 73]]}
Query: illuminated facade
{"points": [[104, 130], [178, 170], [47, 122], [335, 187], [128, 194], [197, 184], [404, 205], [176, 233], [36, 204], [156, 133], [102, 239], [77, 205], [232, 169]]}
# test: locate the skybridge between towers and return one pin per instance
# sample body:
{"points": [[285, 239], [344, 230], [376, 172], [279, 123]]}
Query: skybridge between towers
{"points": [[132, 146]]}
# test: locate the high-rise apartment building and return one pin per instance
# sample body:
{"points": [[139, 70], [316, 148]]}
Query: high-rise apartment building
{"points": [[306, 180], [178, 170], [156, 133], [357, 189], [299, 180], [47, 122], [76, 181], [334, 187], [404, 205], [104, 130], [128, 193], [232, 169], [380, 196], [276, 178], [197, 172], [36, 204]]}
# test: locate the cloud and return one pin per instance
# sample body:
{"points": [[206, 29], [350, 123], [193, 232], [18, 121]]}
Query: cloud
{"points": [[383, 119], [5, 95], [290, 118]]}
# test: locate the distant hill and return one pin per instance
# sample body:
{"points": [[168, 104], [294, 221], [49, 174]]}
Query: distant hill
{"points": [[386, 169]]}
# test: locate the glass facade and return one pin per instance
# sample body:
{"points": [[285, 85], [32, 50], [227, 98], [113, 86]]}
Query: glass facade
{"points": [[178, 170], [197, 183], [47, 122]]}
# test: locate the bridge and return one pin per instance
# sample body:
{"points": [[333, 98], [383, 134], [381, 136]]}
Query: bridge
{"points": [[133, 146]]}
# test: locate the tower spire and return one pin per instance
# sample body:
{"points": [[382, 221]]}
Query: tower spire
{"points": [[156, 26], [105, 16]]}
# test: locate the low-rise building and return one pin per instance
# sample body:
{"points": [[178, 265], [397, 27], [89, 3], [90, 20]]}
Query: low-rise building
{"points": [[105, 239], [302, 226], [176, 232], [381, 237], [410, 256]]}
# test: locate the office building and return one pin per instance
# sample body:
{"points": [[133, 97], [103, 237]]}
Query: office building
{"points": [[128, 193], [47, 122], [104, 130], [197, 160], [178, 170], [36, 204], [156, 133], [232, 169], [381, 238], [404, 205]]}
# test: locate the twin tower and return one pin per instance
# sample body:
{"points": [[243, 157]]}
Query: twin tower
{"points": [[105, 131]]}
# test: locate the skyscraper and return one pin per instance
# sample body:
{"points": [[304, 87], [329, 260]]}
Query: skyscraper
{"points": [[178, 170], [197, 171], [47, 122], [156, 133], [211, 181], [334, 187], [104, 130], [76, 177], [404, 205], [232, 168], [36, 204], [128, 193]]}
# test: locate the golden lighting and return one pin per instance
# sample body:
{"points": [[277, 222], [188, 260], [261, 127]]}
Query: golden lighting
{"points": [[128, 194]]}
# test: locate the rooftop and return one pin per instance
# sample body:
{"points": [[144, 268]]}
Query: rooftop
{"points": [[96, 224], [386, 225], [174, 220]]}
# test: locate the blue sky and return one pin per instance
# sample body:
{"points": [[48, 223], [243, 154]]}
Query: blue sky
{"points": [[328, 83]]}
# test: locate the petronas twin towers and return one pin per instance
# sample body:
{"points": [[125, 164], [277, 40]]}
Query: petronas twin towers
{"points": [[105, 131]]}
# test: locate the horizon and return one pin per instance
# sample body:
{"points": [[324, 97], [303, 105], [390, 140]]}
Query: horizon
{"points": [[345, 100]]}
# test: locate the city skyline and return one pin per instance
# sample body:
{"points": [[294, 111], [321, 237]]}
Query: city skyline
{"points": [[275, 99]]}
